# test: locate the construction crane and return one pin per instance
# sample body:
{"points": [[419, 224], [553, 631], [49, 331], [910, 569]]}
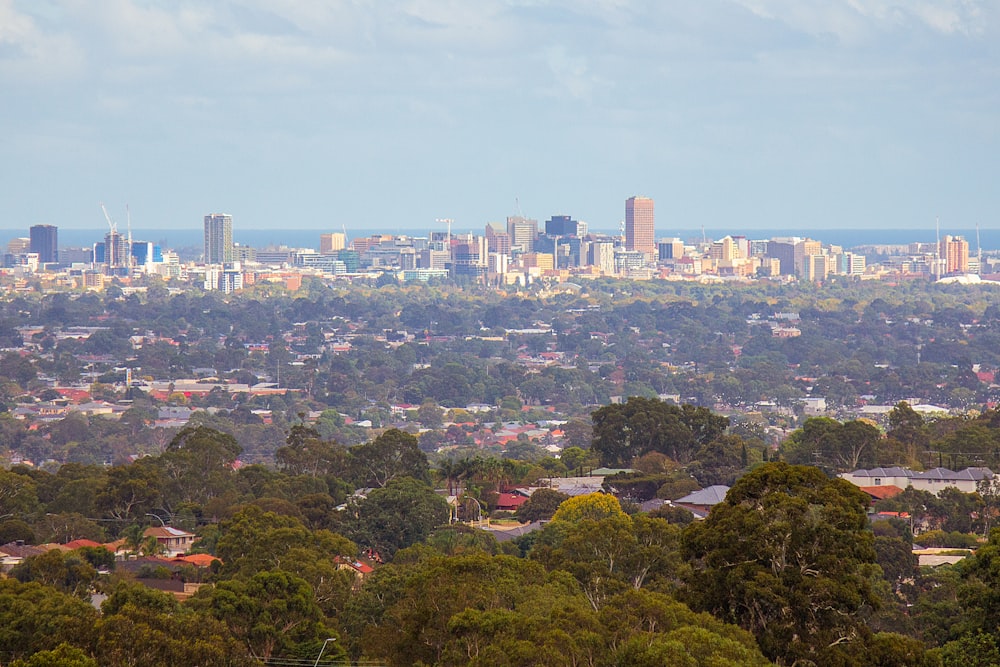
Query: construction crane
{"points": [[109, 252], [111, 223], [448, 222]]}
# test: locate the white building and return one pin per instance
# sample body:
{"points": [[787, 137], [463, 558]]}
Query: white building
{"points": [[930, 480]]}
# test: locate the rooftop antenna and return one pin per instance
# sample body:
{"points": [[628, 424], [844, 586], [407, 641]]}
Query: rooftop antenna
{"points": [[517, 205]]}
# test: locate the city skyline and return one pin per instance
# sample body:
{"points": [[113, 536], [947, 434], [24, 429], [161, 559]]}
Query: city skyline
{"points": [[753, 113]]}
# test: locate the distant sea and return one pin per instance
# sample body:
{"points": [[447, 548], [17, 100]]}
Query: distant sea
{"points": [[309, 238]]}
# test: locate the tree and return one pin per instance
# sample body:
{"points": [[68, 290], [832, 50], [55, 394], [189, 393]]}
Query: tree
{"points": [[255, 540], [612, 554], [36, 618], [414, 628], [971, 650], [542, 504], [198, 465], [402, 513], [827, 442], [63, 655], [306, 453], [17, 494], [393, 454], [640, 425], [69, 573], [907, 426], [130, 492], [269, 613], [594, 506], [789, 557], [141, 626]]}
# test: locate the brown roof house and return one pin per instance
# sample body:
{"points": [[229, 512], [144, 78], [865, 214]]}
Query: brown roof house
{"points": [[14, 553], [174, 541]]}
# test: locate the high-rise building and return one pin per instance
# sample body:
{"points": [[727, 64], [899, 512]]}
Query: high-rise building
{"points": [[218, 238], [113, 253], [783, 249], [523, 233], [497, 240], [602, 255], [331, 243], [18, 245], [726, 249], [45, 242], [640, 226], [670, 249], [955, 253], [561, 225], [806, 248]]}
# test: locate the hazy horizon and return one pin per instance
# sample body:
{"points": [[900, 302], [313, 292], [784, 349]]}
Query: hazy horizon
{"points": [[750, 114]]}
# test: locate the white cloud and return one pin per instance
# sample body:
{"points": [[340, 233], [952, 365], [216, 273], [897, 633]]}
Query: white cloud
{"points": [[30, 55], [855, 20]]}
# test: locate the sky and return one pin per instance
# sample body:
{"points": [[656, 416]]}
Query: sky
{"points": [[387, 115]]}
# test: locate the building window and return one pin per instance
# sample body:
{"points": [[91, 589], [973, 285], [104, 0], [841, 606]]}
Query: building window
{"points": [[878, 481]]}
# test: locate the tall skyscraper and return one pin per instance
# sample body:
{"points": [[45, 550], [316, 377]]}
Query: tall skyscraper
{"points": [[561, 225], [218, 238], [522, 232], [639, 226], [113, 253], [45, 241], [331, 243], [497, 240], [954, 250]]}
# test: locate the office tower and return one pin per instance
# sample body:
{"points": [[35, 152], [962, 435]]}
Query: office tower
{"points": [[561, 225], [45, 242], [805, 248], [331, 243], [816, 267], [523, 233], [18, 245], [954, 251], [854, 264], [670, 249], [143, 253], [726, 249], [497, 240], [602, 255], [783, 250], [218, 238], [757, 248], [639, 226]]}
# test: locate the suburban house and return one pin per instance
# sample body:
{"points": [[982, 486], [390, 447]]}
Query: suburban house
{"points": [[510, 502], [14, 553], [700, 502], [174, 541], [929, 480], [360, 569], [877, 493]]}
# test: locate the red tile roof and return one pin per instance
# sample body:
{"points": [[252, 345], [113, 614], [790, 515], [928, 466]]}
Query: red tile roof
{"points": [[882, 492], [510, 501], [79, 544], [201, 560]]}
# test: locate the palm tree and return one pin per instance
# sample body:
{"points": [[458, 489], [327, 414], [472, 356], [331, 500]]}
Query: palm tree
{"points": [[450, 472]]}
